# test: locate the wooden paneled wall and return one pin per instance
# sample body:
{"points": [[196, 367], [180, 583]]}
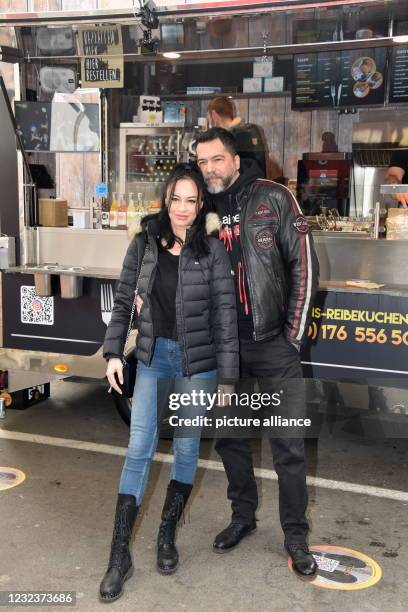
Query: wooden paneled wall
{"points": [[288, 134]]}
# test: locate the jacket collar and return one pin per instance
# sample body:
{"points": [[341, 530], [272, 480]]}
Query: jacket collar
{"points": [[150, 225]]}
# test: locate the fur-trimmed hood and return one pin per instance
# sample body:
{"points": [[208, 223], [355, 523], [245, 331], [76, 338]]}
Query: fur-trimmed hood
{"points": [[149, 224]]}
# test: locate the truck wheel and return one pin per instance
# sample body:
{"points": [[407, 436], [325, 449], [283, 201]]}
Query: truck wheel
{"points": [[123, 406]]}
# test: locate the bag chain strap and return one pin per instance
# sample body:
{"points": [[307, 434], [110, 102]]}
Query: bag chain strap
{"points": [[132, 314]]}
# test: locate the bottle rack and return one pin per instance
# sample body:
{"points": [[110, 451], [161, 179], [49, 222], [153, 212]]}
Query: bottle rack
{"points": [[148, 154]]}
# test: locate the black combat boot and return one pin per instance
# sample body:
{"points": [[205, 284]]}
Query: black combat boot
{"points": [[176, 499], [120, 566]]}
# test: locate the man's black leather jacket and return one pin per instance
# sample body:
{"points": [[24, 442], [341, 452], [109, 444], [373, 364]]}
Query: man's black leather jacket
{"points": [[281, 265]]}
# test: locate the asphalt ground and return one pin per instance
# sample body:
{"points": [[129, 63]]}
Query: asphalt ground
{"points": [[55, 527]]}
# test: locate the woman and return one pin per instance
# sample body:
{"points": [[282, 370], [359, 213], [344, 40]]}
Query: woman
{"points": [[187, 340]]}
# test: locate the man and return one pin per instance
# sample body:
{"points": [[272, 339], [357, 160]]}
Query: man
{"points": [[249, 140], [276, 274], [397, 172]]}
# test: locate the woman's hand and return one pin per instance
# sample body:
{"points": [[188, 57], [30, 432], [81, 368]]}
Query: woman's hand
{"points": [[139, 304], [224, 394], [115, 367]]}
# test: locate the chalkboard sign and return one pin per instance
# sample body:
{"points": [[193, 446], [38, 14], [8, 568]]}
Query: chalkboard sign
{"points": [[399, 75], [102, 51], [348, 78]]}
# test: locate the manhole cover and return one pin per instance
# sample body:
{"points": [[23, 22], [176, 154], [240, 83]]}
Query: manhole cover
{"points": [[343, 568], [10, 477]]}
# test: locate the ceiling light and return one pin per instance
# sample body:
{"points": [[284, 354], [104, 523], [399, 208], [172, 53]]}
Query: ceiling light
{"points": [[400, 39], [172, 55]]}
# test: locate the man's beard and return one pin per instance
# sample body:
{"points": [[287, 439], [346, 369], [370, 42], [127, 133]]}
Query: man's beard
{"points": [[225, 182]]}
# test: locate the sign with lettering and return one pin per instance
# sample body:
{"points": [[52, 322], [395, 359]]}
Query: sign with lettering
{"points": [[101, 49], [347, 78], [399, 75]]}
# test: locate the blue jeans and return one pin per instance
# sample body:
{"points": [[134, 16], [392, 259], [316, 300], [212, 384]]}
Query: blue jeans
{"points": [[153, 386]]}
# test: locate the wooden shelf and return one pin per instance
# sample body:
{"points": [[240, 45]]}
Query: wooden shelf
{"points": [[236, 96]]}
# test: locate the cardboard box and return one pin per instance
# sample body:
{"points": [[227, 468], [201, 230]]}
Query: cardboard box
{"points": [[253, 85], [263, 69], [274, 84], [80, 219], [53, 212], [397, 224]]}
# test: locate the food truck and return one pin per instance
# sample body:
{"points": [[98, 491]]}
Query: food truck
{"points": [[98, 106]]}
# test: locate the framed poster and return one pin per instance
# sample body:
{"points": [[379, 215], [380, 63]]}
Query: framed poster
{"points": [[69, 127]]}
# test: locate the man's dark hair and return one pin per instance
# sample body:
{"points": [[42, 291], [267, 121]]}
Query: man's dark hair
{"points": [[218, 133]]}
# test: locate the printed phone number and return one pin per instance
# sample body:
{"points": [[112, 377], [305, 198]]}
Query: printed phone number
{"points": [[371, 335], [19, 598]]}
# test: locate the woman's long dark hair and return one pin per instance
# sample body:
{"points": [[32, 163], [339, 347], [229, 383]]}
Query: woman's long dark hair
{"points": [[198, 240]]}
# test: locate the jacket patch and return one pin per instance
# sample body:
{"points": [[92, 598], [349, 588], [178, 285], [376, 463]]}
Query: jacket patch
{"points": [[301, 225], [264, 239], [262, 212]]}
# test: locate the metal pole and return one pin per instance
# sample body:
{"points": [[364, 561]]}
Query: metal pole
{"points": [[30, 185]]}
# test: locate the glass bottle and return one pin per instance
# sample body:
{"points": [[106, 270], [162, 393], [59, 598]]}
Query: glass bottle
{"points": [[113, 212], [122, 212], [105, 213], [140, 204], [131, 210]]}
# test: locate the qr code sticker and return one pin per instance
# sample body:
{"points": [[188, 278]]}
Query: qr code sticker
{"points": [[36, 310]]}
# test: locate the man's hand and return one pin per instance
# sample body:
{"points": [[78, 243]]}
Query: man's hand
{"points": [[402, 199], [224, 394], [115, 366], [395, 176]]}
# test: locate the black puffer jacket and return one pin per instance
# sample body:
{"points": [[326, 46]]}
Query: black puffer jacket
{"points": [[205, 305]]}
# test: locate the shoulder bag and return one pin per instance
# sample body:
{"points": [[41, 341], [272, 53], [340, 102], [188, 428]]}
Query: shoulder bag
{"points": [[129, 361]]}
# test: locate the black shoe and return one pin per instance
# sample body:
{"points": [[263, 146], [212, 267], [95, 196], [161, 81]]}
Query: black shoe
{"points": [[232, 535], [176, 499], [120, 566], [303, 560]]}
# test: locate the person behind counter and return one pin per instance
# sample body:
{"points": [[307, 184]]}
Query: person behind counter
{"points": [[188, 337], [249, 139], [397, 173]]}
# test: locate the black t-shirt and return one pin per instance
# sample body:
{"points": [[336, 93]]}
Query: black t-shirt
{"points": [[227, 208], [163, 297], [400, 159]]}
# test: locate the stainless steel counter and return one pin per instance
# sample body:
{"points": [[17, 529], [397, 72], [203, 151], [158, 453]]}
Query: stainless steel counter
{"points": [[380, 261], [99, 254], [56, 269], [341, 287]]}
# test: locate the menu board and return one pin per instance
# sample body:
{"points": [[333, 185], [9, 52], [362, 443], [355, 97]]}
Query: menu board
{"points": [[348, 78], [99, 46], [315, 78], [399, 75]]}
